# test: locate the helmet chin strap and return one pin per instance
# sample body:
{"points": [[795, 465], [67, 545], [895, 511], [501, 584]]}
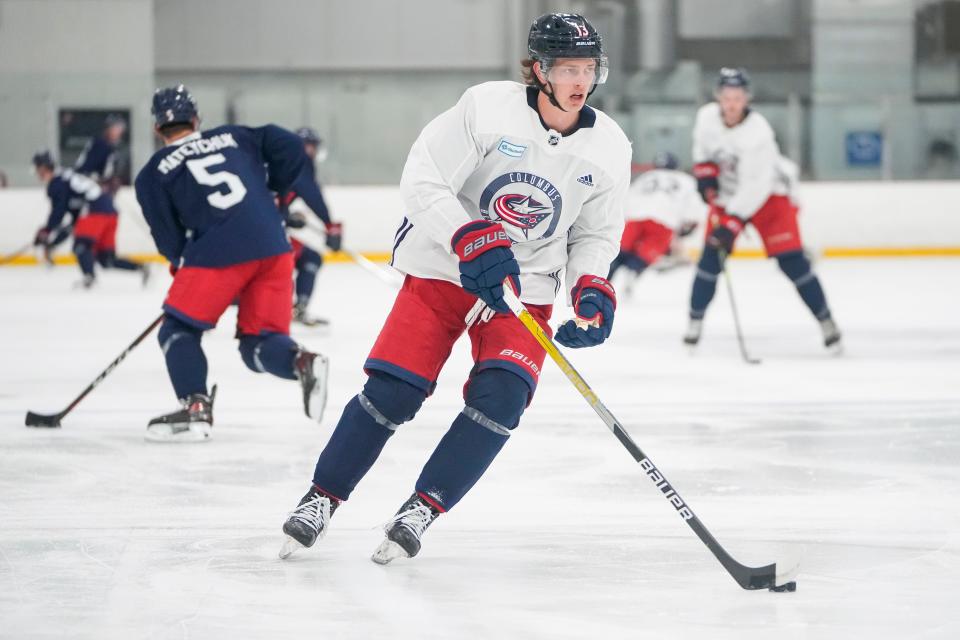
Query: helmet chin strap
{"points": [[552, 98]]}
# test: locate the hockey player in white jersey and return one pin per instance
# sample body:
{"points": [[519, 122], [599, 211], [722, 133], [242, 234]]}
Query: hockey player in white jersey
{"points": [[516, 182], [662, 203], [739, 172]]}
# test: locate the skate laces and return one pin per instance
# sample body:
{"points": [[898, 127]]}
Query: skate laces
{"points": [[416, 518], [314, 513]]}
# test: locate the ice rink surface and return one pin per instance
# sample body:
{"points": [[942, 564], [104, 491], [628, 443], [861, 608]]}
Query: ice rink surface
{"points": [[851, 462]]}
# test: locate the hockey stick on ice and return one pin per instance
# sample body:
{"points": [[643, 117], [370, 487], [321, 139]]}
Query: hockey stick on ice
{"points": [[391, 278], [53, 420], [10, 257], [733, 307], [766, 577]]}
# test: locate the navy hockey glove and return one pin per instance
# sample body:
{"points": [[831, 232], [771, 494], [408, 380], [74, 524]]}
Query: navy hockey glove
{"points": [[708, 180], [726, 227], [594, 302], [486, 260], [334, 236]]}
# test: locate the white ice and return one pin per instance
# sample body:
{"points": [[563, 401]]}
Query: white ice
{"points": [[852, 463]]}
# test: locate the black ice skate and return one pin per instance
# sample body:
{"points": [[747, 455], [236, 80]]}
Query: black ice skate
{"points": [[694, 329], [311, 370], [192, 423], [307, 522], [405, 530], [301, 315], [88, 281], [831, 335]]}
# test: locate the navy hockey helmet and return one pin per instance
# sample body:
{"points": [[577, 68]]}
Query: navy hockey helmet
{"points": [[566, 35], [734, 77], [173, 105], [309, 135], [665, 160], [43, 158], [114, 119]]}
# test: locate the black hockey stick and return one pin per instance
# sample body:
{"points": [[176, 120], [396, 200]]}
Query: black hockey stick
{"points": [[733, 306], [766, 577], [42, 420]]}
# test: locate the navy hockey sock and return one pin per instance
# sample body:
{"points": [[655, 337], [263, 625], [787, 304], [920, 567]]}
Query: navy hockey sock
{"points": [[705, 283], [186, 363], [495, 401], [109, 260], [83, 249], [797, 267], [271, 353], [307, 267], [368, 421], [630, 261]]}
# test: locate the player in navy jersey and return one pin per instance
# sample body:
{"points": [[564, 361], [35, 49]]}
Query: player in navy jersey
{"points": [[99, 157], [307, 262], [208, 198], [83, 203]]}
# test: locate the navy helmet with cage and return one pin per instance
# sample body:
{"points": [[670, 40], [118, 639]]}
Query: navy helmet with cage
{"points": [[43, 158], [173, 105], [665, 160], [566, 35], [734, 77]]}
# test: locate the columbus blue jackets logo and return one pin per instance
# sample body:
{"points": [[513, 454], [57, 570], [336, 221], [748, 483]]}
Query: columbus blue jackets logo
{"points": [[523, 202]]}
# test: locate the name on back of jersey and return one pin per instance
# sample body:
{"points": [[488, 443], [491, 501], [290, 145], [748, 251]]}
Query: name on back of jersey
{"points": [[195, 147]]}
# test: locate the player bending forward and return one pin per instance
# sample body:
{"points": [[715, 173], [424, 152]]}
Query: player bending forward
{"points": [[661, 202], [737, 172], [207, 196], [86, 207], [513, 183]]}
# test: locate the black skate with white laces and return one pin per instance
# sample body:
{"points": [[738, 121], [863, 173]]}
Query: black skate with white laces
{"points": [[192, 423], [307, 522], [405, 530], [311, 370]]}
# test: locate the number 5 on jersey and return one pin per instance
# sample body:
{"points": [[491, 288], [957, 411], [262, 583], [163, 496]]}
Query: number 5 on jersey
{"points": [[235, 189]]}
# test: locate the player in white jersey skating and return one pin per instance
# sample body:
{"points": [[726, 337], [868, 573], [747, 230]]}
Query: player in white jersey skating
{"points": [[661, 203], [741, 175], [515, 182]]}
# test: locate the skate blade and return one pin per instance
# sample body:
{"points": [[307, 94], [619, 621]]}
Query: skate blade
{"points": [[318, 397], [194, 434], [290, 546], [387, 552]]}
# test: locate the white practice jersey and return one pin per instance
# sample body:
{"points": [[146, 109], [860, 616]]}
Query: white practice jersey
{"points": [[559, 198], [666, 195], [747, 155], [788, 177]]}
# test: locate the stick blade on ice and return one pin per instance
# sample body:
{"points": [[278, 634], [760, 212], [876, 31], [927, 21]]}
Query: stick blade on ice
{"points": [[42, 420]]}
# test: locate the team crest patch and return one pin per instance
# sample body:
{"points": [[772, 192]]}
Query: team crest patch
{"points": [[524, 202], [511, 149]]}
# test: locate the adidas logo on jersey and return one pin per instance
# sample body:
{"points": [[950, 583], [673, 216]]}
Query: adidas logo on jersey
{"points": [[587, 179]]}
